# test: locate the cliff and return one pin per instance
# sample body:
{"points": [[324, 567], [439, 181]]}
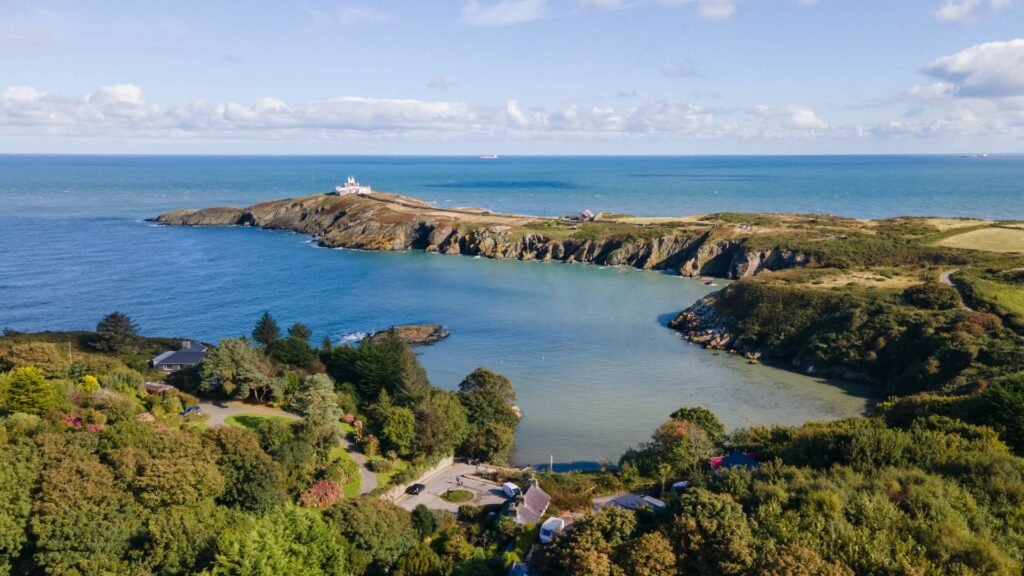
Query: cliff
{"points": [[691, 246]]}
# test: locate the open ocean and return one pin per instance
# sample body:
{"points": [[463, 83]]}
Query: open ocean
{"points": [[586, 347]]}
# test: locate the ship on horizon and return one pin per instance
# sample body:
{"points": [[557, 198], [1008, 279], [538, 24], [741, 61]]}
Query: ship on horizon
{"points": [[489, 157]]}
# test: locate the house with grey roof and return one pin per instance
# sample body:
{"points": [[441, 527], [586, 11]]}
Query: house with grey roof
{"points": [[530, 506], [630, 501], [190, 354]]}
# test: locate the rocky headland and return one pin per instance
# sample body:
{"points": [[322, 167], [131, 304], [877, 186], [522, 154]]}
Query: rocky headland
{"points": [[690, 246]]}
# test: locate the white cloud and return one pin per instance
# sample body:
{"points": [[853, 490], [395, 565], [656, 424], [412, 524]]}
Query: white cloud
{"points": [[679, 70], [993, 69], [516, 114], [931, 91], [792, 117], [345, 16], [601, 4], [503, 13], [439, 82], [716, 9], [961, 10]]}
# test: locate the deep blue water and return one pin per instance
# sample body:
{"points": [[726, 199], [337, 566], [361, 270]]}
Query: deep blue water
{"points": [[585, 347]]}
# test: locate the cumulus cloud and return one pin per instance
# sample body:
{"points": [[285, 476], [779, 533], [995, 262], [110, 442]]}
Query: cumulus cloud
{"points": [[993, 69], [792, 117], [125, 111], [961, 10], [503, 13]]}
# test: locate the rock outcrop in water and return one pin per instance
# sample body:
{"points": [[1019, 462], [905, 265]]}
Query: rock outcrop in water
{"points": [[688, 247]]}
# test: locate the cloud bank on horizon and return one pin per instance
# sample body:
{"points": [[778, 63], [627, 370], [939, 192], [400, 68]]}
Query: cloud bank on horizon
{"points": [[517, 76]]}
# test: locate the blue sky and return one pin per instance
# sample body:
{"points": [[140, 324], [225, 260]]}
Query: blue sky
{"points": [[513, 76]]}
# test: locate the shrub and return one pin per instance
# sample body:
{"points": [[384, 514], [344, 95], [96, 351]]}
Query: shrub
{"points": [[321, 494]]}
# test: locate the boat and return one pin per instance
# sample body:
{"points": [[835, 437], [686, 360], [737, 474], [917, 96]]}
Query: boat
{"points": [[489, 157]]}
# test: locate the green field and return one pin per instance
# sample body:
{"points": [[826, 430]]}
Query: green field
{"points": [[249, 420]]}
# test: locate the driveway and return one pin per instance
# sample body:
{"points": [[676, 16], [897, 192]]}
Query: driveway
{"points": [[484, 493], [219, 411]]}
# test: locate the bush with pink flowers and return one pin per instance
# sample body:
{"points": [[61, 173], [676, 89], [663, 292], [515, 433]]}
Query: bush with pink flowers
{"points": [[321, 494]]}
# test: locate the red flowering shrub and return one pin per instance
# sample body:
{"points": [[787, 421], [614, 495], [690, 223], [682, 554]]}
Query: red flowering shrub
{"points": [[95, 428], [73, 420], [348, 418], [145, 417], [321, 494]]}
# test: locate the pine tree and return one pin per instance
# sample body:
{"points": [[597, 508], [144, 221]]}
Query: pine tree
{"points": [[116, 333], [29, 392], [266, 330], [300, 331]]}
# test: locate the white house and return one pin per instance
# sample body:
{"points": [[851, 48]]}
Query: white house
{"points": [[352, 187]]}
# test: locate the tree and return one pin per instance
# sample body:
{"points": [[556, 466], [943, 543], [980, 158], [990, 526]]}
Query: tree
{"points": [[702, 417], [317, 401], [491, 442], [488, 397], [251, 479], [266, 330], [423, 521], [291, 350], [116, 333], [1002, 406], [441, 424], [649, 555], [399, 430], [711, 535], [379, 531], [83, 521], [300, 331], [235, 366], [18, 477], [28, 391], [388, 364], [289, 540], [420, 561]]}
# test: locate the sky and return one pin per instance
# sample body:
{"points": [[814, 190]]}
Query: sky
{"points": [[512, 76]]}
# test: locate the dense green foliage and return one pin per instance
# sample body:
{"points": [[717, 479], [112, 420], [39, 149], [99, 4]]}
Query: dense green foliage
{"points": [[903, 347], [852, 497]]}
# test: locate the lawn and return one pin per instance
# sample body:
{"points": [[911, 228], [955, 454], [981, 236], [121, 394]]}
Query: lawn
{"points": [[384, 478], [987, 239], [457, 496], [351, 489], [250, 420]]}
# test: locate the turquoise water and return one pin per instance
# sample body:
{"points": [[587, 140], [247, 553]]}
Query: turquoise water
{"points": [[586, 347]]}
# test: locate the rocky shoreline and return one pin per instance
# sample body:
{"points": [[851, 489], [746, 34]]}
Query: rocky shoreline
{"points": [[391, 223]]}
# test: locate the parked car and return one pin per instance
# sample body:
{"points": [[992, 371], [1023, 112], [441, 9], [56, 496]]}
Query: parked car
{"points": [[415, 489], [191, 410]]}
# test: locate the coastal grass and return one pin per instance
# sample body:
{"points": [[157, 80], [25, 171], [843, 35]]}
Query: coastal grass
{"points": [[987, 239]]}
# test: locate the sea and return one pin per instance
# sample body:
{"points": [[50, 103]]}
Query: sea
{"points": [[587, 348]]}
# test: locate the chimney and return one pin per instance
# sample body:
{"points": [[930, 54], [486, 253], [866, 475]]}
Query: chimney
{"points": [[186, 345]]}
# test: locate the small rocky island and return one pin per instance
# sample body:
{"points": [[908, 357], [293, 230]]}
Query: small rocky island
{"points": [[413, 334]]}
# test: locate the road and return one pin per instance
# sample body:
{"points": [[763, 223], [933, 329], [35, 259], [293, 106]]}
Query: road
{"points": [[947, 279], [484, 493], [218, 412]]}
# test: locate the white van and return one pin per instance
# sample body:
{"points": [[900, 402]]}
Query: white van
{"points": [[510, 489], [549, 528]]}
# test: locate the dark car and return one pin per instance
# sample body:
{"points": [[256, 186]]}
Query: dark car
{"points": [[191, 410], [415, 489]]}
